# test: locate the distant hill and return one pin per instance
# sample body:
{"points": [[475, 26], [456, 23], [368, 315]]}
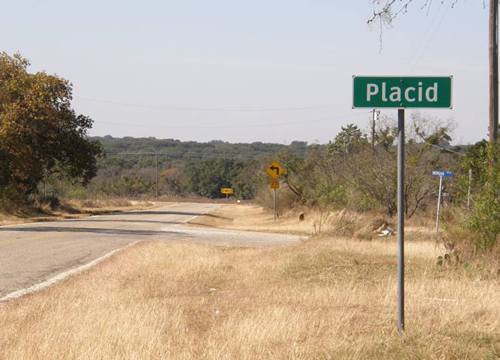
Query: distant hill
{"points": [[130, 167], [183, 151]]}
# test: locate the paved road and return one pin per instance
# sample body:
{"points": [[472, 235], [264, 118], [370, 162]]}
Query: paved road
{"points": [[32, 253]]}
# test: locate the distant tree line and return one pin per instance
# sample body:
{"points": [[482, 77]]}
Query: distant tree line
{"points": [[177, 151], [129, 168]]}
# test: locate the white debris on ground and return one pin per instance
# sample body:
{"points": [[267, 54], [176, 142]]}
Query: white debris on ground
{"points": [[384, 230]]}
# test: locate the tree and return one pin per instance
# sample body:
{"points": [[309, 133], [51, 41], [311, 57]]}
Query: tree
{"points": [[40, 134], [386, 10], [206, 178], [349, 172], [484, 217], [371, 172], [347, 140], [173, 180]]}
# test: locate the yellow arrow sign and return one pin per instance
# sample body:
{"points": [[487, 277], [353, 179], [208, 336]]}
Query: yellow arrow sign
{"points": [[275, 170]]}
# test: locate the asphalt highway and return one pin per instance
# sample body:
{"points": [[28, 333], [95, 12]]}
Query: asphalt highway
{"points": [[33, 253]]}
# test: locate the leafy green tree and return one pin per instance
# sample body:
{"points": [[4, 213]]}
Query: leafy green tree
{"points": [[477, 160], [245, 183], [40, 134], [349, 139], [172, 181], [365, 177], [206, 178], [484, 219]]}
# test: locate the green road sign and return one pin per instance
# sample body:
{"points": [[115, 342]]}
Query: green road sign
{"points": [[402, 92]]}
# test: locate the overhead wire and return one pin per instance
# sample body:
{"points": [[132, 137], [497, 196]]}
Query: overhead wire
{"points": [[224, 110], [428, 37], [208, 109], [235, 124]]}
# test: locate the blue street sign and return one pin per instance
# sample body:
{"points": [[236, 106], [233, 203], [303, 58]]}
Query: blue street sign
{"points": [[442, 173]]}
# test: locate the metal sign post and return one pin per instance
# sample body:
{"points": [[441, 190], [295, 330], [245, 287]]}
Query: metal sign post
{"points": [[275, 184], [438, 210], [441, 174], [401, 219], [275, 170], [402, 92], [275, 205]]}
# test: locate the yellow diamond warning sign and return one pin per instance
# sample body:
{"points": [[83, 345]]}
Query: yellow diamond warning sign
{"points": [[275, 170]]}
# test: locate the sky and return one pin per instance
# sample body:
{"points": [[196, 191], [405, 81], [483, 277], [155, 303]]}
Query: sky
{"points": [[246, 70]]}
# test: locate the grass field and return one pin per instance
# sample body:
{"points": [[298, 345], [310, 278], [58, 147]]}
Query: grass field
{"points": [[321, 299]]}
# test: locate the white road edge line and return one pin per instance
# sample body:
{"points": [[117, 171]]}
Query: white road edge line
{"points": [[208, 211], [62, 276]]}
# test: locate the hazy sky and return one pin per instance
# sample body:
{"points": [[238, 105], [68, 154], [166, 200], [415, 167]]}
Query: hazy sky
{"points": [[245, 70]]}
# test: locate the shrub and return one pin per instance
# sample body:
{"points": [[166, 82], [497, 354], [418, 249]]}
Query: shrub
{"points": [[484, 220]]}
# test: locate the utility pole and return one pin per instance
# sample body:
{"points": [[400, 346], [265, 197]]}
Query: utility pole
{"points": [[44, 181], [468, 189], [156, 173], [156, 156], [493, 64]]}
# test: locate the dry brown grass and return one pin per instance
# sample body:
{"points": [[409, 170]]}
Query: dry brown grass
{"points": [[324, 299], [107, 204], [335, 223], [73, 209], [254, 218]]}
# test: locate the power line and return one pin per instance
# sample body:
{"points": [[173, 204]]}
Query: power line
{"points": [[209, 109], [233, 124], [428, 37]]}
